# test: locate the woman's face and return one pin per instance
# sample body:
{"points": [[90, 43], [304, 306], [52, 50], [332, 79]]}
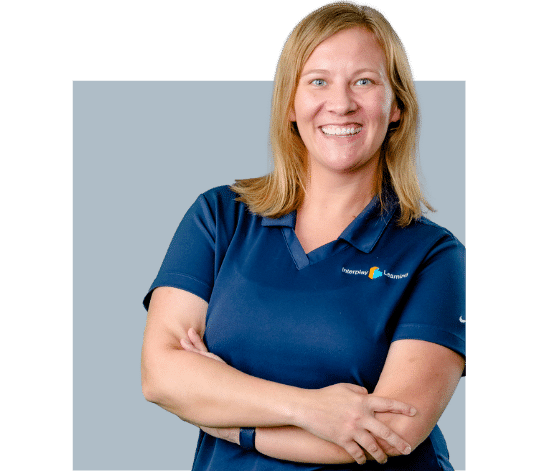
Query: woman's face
{"points": [[344, 102]]}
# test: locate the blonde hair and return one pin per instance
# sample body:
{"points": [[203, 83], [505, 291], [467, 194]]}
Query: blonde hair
{"points": [[282, 190]]}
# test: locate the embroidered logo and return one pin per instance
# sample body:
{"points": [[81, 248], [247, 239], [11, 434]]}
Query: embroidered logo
{"points": [[373, 273], [462, 320]]}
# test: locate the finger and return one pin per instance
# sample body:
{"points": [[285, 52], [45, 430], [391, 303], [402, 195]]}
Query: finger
{"points": [[215, 357], [368, 443], [378, 429], [383, 404], [187, 345], [196, 340], [356, 388], [356, 452]]}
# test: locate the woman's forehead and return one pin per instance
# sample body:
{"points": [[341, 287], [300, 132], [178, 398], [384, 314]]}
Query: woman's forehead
{"points": [[352, 48]]}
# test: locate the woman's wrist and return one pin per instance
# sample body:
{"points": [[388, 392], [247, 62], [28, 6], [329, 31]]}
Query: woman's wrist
{"points": [[298, 410]]}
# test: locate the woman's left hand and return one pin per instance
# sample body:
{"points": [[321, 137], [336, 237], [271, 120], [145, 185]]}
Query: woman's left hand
{"points": [[195, 344]]}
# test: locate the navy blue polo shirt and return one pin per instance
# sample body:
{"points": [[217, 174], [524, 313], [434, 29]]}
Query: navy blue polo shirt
{"points": [[313, 320]]}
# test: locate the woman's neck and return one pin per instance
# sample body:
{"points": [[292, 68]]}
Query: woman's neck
{"points": [[338, 195]]}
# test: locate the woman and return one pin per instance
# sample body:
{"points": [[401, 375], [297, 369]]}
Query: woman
{"points": [[309, 319]]}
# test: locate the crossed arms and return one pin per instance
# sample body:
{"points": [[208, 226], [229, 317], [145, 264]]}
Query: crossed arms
{"points": [[337, 424]]}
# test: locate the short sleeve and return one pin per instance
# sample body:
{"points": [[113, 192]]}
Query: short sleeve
{"points": [[435, 307], [189, 261]]}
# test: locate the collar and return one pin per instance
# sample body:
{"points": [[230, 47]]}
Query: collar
{"points": [[363, 233], [287, 220]]}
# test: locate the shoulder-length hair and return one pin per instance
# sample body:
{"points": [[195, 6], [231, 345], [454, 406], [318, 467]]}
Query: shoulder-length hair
{"points": [[282, 190]]}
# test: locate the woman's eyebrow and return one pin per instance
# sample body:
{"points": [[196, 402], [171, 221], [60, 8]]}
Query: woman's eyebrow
{"points": [[325, 71], [315, 71]]}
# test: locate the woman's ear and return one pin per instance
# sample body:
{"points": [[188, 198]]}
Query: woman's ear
{"points": [[395, 114]]}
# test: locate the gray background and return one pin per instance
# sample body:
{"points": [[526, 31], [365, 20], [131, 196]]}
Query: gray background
{"points": [[143, 151]]}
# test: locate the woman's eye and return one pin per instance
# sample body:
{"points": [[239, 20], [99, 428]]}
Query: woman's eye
{"points": [[363, 81], [318, 82]]}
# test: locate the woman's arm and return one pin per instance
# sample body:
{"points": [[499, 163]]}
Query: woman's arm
{"points": [[291, 444], [416, 371], [210, 393], [424, 373]]}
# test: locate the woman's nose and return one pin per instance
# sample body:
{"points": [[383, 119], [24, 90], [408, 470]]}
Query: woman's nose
{"points": [[341, 100]]}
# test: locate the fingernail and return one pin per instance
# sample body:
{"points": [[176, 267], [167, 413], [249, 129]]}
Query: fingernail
{"points": [[407, 450], [413, 411]]}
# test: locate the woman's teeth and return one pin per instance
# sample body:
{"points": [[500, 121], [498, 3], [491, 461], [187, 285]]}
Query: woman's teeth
{"points": [[340, 131]]}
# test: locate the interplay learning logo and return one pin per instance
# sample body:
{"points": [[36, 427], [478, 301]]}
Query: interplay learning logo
{"points": [[374, 273]]}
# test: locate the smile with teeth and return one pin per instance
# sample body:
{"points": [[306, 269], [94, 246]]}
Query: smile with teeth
{"points": [[340, 130]]}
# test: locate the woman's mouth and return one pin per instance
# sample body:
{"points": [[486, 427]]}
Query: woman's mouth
{"points": [[331, 130]]}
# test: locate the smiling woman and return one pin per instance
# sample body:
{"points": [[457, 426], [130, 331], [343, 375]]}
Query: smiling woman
{"points": [[344, 348]]}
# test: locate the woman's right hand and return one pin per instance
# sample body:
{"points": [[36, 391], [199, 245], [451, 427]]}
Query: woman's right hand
{"points": [[345, 415]]}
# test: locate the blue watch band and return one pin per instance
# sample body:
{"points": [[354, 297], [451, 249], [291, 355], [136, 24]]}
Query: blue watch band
{"points": [[247, 438]]}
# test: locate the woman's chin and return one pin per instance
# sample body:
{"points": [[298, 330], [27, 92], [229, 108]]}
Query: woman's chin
{"points": [[345, 165]]}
